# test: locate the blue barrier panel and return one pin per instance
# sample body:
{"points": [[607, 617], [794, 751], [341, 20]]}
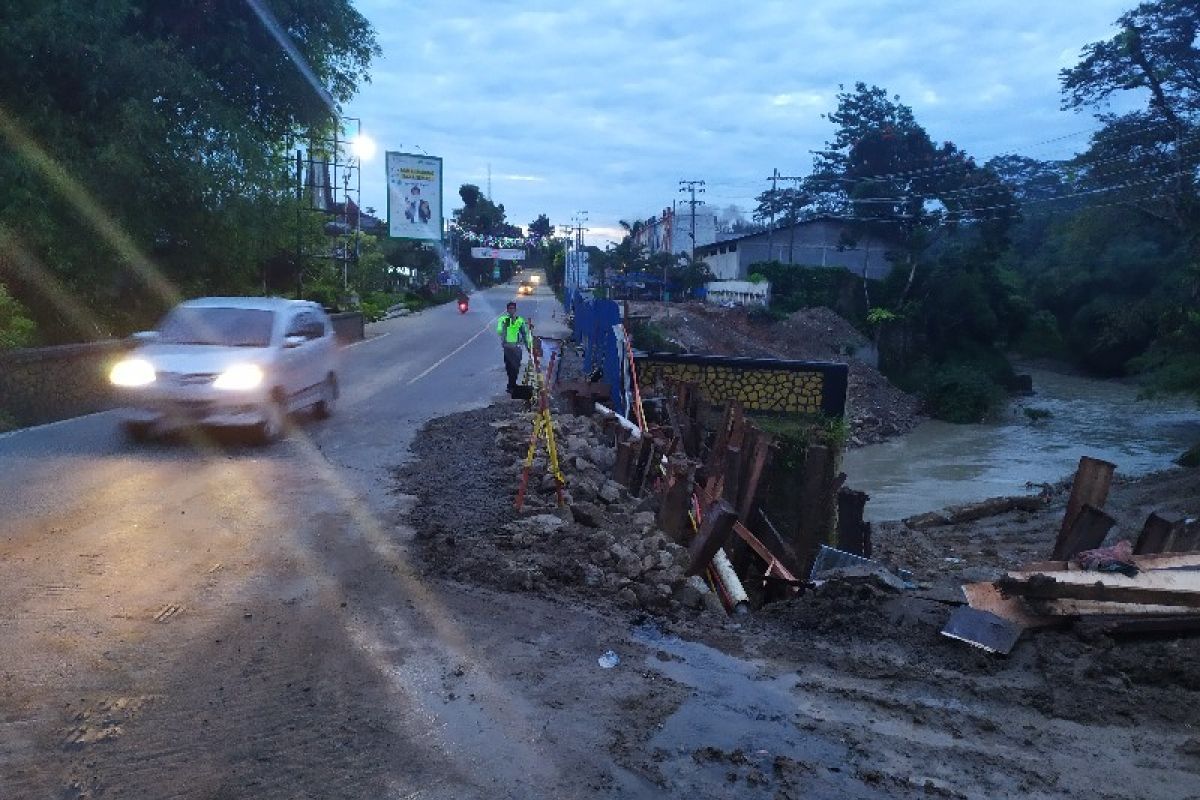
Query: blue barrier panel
{"points": [[607, 314]]}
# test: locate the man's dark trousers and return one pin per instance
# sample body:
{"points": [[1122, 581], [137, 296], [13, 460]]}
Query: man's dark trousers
{"points": [[512, 364]]}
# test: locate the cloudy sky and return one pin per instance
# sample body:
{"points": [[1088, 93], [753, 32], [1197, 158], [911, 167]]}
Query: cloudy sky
{"points": [[605, 105]]}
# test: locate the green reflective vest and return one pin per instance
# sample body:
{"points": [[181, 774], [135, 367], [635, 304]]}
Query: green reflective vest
{"points": [[512, 329]]}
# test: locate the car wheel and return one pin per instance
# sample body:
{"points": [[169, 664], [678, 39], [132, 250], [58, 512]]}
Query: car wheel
{"points": [[325, 407], [274, 423], [137, 431]]}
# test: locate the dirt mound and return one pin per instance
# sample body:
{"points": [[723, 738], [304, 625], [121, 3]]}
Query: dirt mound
{"points": [[600, 546], [876, 410], [851, 668]]}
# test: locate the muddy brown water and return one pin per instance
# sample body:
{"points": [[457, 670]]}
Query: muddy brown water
{"points": [[939, 464]]}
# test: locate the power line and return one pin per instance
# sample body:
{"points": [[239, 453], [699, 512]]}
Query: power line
{"points": [[988, 187], [1037, 201], [963, 161]]}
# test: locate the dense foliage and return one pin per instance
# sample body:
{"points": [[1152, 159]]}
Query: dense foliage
{"points": [[1095, 259], [142, 149]]}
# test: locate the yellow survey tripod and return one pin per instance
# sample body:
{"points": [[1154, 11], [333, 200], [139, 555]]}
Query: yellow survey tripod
{"points": [[543, 424]]}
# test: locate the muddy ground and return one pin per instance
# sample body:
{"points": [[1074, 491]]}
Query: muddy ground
{"points": [[848, 691], [876, 410]]}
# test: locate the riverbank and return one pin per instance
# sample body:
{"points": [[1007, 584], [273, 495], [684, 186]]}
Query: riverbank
{"points": [[848, 690], [1035, 440]]}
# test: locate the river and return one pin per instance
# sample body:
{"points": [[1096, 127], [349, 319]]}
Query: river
{"points": [[939, 464]]}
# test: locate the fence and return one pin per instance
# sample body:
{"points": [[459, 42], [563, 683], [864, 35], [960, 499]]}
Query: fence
{"points": [[595, 321]]}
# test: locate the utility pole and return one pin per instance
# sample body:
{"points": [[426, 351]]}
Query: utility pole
{"points": [[579, 218], [774, 179], [792, 216], [687, 186]]}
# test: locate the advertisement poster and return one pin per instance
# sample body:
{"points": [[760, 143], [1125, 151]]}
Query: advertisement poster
{"points": [[414, 196]]}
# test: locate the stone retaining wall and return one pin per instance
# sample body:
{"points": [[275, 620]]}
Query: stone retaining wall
{"points": [[45, 384], [761, 384]]}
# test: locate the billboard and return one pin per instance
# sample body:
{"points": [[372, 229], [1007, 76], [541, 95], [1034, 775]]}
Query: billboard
{"points": [[414, 196], [498, 253]]}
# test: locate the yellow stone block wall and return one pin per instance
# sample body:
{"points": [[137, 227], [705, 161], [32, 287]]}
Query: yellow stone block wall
{"points": [[782, 391]]}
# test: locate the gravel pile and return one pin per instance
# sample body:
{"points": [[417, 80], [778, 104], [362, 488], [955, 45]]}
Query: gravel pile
{"points": [[601, 545]]}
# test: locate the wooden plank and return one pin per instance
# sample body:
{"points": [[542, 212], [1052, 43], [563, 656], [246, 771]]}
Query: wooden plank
{"points": [[1146, 562], [1141, 626], [1087, 532], [854, 533], [775, 564], [713, 533], [991, 507], [1070, 607], [760, 460], [732, 480], [641, 467], [626, 458], [770, 538], [1186, 538], [714, 463], [1156, 532], [1169, 591], [813, 525], [1092, 481], [988, 597], [676, 502], [1175, 579]]}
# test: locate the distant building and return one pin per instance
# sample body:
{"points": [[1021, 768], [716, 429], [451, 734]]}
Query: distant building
{"points": [[671, 231], [818, 242], [577, 273]]}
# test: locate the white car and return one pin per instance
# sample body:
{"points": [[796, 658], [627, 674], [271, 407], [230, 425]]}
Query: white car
{"points": [[230, 361]]}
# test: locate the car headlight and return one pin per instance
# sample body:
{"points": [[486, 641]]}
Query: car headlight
{"points": [[239, 377], [131, 373]]}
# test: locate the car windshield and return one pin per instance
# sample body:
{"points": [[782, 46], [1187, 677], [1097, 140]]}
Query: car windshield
{"points": [[225, 327]]}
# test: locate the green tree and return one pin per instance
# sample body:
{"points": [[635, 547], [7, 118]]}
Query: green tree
{"points": [[480, 217], [16, 329], [541, 227], [884, 172], [629, 255], [690, 273], [144, 153], [1132, 303]]}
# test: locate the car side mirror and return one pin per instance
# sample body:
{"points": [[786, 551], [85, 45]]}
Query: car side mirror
{"points": [[145, 337], [293, 341]]}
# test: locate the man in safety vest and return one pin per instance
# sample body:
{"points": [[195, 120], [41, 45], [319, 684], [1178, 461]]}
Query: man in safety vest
{"points": [[514, 335]]}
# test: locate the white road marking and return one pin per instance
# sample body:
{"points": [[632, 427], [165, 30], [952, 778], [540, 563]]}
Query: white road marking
{"points": [[446, 357], [372, 339], [53, 424]]}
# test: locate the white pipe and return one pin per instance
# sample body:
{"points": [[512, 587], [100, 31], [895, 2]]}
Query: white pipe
{"points": [[729, 579], [626, 424]]}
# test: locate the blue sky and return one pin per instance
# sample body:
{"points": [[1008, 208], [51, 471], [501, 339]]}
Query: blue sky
{"points": [[605, 105]]}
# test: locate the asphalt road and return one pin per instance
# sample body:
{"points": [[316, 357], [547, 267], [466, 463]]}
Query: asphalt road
{"points": [[197, 619]]}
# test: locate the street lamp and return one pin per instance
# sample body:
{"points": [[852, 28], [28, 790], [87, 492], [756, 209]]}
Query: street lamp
{"points": [[363, 147]]}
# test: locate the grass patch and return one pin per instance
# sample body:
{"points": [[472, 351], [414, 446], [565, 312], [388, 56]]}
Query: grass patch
{"points": [[651, 339]]}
